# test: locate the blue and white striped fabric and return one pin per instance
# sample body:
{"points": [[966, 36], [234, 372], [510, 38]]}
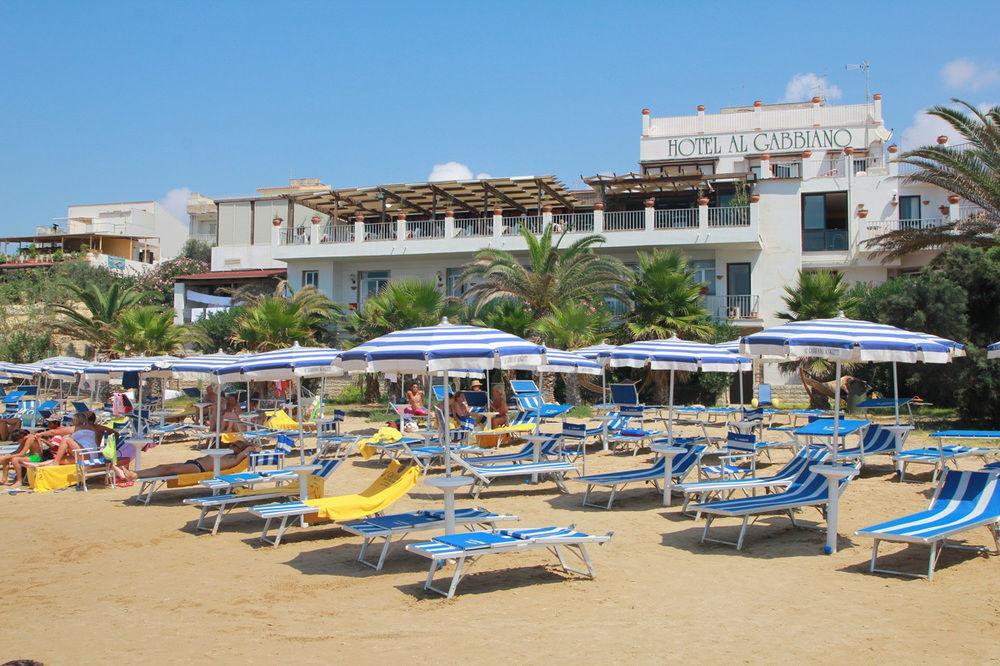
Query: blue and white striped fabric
{"points": [[196, 367], [850, 340], [282, 364], [676, 354], [66, 368], [731, 346], [599, 353], [443, 347], [21, 370], [151, 366], [565, 362], [993, 351]]}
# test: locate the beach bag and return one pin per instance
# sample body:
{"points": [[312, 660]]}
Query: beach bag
{"points": [[109, 449]]}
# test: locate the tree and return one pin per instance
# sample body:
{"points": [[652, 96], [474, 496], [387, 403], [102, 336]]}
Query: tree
{"points": [[816, 295], [553, 275], [146, 330], [198, 250], [272, 323], [102, 308], [664, 299], [572, 326], [157, 284], [216, 330], [507, 315], [971, 170]]}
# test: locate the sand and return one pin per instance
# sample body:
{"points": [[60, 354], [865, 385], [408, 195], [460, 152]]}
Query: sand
{"points": [[93, 578]]}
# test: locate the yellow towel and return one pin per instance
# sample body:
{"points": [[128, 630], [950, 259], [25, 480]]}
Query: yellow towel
{"points": [[51, 477], [506, 430], [385, 435], [230, 437], [280, 420], [185, 480], [394, 482]]}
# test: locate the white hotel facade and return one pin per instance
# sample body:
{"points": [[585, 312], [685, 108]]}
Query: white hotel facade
{"points": [[750, 194]]}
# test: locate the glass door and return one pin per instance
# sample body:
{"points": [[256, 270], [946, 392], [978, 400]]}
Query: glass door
{"points": [[909, 212], [738, 290]]}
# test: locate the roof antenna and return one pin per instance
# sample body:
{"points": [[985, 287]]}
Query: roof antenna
{"points": [[865, 67]]}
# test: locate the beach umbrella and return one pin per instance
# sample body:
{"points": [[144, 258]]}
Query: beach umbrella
{"points": [[844, 340], [993, 351], [430, 349], [674, 354], [733, 346]]}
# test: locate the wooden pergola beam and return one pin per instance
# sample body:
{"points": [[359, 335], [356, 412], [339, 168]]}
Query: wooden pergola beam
{"points": [[452, 198], [503, 197], [404, 201], [555, 195]]}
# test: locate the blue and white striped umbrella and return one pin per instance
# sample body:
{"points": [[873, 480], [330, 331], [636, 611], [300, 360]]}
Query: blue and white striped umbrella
{"points": [[676, 354], [993, 351], [67, 369], [850, 340], [21, 370], [197, 367], [431, 349], [731, 346], [151, 366], [599, 353], [283, 364], [565, 362]]}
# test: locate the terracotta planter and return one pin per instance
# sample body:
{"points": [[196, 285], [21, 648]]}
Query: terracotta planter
{"points": [[893, 149], [449, 213], [649, 203], [754, 198], [315, 219], [702, 201], [953, 199], [277, 221], [944, 210], [546, 208], [598, 206], [806, 154], [849, 150], [942, 140], [863, 213]]}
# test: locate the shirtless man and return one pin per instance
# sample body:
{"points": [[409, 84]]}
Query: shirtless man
{"points": [[457, 406], [195, 465], [499, 403]]}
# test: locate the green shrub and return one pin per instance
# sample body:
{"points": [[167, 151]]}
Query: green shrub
{"points": [[352, 394]]}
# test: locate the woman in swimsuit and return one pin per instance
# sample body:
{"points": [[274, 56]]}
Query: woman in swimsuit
{"points": [[22, 437], [415, 398], [195, 465]]}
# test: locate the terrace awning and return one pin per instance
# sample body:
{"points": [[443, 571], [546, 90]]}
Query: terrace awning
{"points": [[672, 179], [475, 197]]}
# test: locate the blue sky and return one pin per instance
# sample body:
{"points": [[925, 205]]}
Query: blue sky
{"points": [[113, 101]]}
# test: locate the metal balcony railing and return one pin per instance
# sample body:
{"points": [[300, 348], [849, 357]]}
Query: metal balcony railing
{"points": [[734, 307], [683, 218], [573, 222], [295, 235], [337, 233], [424, 229], [729, 216], [474, 226], [380, 231], [625, 220]]}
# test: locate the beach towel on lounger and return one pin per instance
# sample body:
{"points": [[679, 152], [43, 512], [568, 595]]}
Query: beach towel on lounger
{"points": [[385, 435], [394, 482]]}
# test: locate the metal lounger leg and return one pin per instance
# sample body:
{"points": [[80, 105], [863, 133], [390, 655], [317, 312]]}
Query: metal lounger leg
{"points": [[871, 567], [743, 532], [218, 519]]}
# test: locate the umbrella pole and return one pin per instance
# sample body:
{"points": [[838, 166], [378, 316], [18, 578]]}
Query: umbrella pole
{"points": [[739, 378], [218, 417], [833, 492], [895, 391], [139, 433], [449, 490], [302, 437], [670, 411], [604, 398]]}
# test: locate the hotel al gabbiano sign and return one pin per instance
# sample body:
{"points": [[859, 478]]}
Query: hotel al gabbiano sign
{"points": [[757, 142]]}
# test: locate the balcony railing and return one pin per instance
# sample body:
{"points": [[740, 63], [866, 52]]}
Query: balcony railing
{"points": [[476, 226], [923, 223], [337, 233], [532, 223], [734, 307], [424, 229], [625, 220], [573, 223], [295, 235], [729, 216], [683, 218], [786, 170], [204, 238], [380, 231], [830, 167], [824, 240]]}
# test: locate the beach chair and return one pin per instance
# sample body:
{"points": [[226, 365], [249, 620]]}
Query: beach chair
{"points": [[807, 489], [394, 482], [91, 463], [962, 501], [629, 436], [654, 474], [244, 490], [943, 455], [483, 475], [478, 401], [466, 549], [397, 526], [533, 403], [546, 450], [737, 458], [625, 394], [703, 491], [877, 440], [764, 395], [148, 487]]}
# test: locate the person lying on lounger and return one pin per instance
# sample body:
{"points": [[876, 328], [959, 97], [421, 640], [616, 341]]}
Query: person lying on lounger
{"points": [[195, 465]]}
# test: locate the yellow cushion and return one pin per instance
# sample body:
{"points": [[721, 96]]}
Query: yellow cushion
{"points": [[186, 480], [384, 435], [51, 477], [394, 482]]}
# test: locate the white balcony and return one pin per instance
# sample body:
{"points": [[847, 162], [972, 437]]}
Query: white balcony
{"points": [[738, 309], [702, 226]]}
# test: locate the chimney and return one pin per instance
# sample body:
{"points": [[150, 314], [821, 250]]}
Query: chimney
{"points": [[645, 122]]}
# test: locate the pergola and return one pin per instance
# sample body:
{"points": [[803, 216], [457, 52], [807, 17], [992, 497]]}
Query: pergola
{"points": [[465, 197], [71, 242], [676, 180]]}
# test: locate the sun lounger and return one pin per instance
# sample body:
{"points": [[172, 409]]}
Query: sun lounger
{"points": [[723, 488], [245, 491], [654, 474], [944, 455], [629, 436], [397, 526], [877, 440], [466, 549], [151, 485], [483, 475], [962, 501], [526, 454], [394, 482], [807, 489]]}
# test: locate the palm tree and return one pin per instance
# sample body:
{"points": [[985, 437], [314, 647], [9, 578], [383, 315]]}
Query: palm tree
{"points": [[272, 323], [146, 330], [553, 276], [665, 300], [572, 326], [816, 295], [507, 315], [970, 169], [102, 307]]}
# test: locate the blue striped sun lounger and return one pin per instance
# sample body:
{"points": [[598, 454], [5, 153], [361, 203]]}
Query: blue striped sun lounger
{"points": [[466, 549], [397, 526], [484, 475], [962, 501], [654, 474], [244, 490], [704, 491], [946, 454], [877, 440], [807, 489], [525, 454]]}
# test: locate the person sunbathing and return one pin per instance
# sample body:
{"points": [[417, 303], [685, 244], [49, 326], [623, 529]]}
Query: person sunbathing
{"points": [[231, 415], [86, 436], [415, 398], [240, 451], [7, 427], [499, 403], [458, 407]]}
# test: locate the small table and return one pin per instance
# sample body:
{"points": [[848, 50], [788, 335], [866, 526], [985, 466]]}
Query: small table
{"points": [[449, 484], [303, 471], [668, 452], [833, 474], [824, 428], [217, 455], [201, 411], [536, 454]]}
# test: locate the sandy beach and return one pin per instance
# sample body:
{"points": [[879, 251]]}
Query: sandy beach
{"points": [[94, 578]]}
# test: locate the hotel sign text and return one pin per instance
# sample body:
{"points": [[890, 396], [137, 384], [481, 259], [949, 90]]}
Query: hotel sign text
{"points": [[758, 142]]}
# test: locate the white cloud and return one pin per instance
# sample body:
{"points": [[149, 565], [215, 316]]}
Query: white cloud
{"points": [[175, 201], [454, 171], [965, 74], [925, 129], [802, 87]]}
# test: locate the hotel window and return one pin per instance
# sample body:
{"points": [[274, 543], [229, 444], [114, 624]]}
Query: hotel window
{"points": [[704, 274], [453, 285], [370, 283], [909, 211], [824, 222], [310, 279]]}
